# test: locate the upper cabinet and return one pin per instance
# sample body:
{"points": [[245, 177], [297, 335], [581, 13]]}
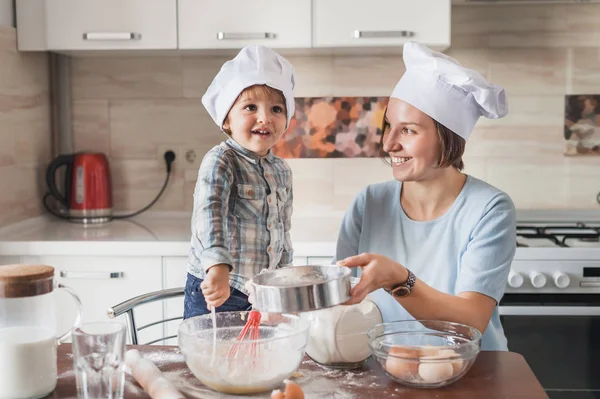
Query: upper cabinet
{"points": [[233, 24], [66, 25], [88, 25], [381, 23]]}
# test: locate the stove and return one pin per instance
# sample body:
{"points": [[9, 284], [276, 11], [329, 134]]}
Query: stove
{"points": [[551, 308], [556, 254]]}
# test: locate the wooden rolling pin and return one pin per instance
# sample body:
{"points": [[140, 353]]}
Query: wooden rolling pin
{"points": [[150, 378]]}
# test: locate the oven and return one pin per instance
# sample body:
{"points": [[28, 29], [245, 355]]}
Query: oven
{"points": [[559, 336], [551, 308]]}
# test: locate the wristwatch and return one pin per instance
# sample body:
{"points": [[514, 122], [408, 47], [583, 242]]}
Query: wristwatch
{"points": [[403, 289]]}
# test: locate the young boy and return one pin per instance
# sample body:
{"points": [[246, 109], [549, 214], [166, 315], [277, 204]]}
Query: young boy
{"points": [[243, 196]]}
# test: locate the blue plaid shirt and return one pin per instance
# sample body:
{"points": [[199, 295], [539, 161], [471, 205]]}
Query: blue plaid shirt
{"points": [[242, 213]]}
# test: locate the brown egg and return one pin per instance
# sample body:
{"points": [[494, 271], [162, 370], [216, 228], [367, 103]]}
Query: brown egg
{"points": [[429, 350], [403, 368], [293, 391], [277, 394]]}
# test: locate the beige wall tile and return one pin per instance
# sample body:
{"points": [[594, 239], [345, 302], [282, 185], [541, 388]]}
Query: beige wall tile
{"points": [[24, 198], [529, 71], [583, 18], [198, 73], [516, 143], [352, 175], [136, 183], [366, 76], [480, 20], [526, 111], [534, 184], [585, 76], [314, 76], [25, 131], [8, 38], [114, 77], [544, 39], [90, 126], [7, 149], [32, 127], [138, 127]]}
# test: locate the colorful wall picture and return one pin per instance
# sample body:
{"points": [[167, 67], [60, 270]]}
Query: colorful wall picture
{"points": [[334, 127], [582, 125]]}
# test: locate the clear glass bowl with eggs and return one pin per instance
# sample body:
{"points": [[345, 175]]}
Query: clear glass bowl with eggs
{"points": [[425, 353], [259, 365]]}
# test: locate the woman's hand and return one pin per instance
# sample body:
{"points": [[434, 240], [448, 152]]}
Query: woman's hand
{"points": [[378, 272], [215, 286]]}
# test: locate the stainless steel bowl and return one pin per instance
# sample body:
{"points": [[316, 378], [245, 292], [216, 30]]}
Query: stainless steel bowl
{"points": [[301, 288]]}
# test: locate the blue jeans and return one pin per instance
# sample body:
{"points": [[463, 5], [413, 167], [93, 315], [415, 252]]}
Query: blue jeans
{"points": [[194, 303]]}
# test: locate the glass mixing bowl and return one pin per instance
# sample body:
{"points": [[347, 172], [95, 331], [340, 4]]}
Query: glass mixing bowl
{"points": [[258, 365], [425, 353]]}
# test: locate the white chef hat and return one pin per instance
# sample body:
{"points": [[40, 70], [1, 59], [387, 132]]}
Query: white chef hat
{"points": [[449, 93], [254, 65]]}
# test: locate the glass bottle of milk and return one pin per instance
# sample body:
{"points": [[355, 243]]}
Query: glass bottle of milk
{"points": [[28, 336]]}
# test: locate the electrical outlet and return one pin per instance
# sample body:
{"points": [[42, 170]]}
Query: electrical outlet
{"points": [[190, 156]]}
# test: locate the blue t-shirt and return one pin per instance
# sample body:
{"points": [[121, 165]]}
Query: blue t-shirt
{"points": [[469, 248]]}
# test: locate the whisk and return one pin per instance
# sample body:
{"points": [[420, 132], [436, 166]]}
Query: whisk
{"points": [[252, 329]]}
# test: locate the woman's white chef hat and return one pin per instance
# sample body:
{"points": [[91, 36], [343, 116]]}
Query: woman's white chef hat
{"points": [[449, 93], [254, 65]]}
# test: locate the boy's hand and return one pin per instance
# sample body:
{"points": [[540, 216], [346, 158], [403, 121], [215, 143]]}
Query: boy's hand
{"points": [[215, 286]]}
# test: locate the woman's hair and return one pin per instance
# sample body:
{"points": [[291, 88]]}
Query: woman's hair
{"points": [[258, 91], [452, 146]]}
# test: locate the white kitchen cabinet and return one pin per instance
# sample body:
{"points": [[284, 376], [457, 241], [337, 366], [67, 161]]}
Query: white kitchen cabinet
{"points": [[105, 281], [233, 24], [320, 260], [174, 275], [381, 23], [63, 25]]}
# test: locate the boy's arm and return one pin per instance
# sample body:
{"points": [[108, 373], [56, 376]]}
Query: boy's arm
{"points": [[287, 256], [211, 206]]}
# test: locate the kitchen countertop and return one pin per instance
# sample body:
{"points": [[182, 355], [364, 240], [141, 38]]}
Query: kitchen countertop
{"points": [[152, 233], [494, 375]]}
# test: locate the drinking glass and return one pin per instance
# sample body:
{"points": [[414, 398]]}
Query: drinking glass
{"points": [[99, 360]]}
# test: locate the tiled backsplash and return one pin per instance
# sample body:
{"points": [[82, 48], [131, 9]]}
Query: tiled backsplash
{"points": [[25, 131], [136, 108]]}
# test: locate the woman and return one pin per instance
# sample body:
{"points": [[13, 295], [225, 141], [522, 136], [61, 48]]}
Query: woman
{"points": [[434, 243]]}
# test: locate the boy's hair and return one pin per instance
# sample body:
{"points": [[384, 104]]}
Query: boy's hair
{"points": [[452, 146], [259, 91]]}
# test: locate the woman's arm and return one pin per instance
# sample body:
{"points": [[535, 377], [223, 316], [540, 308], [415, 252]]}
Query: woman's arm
{"points": [[485, 265], [424, 302]]}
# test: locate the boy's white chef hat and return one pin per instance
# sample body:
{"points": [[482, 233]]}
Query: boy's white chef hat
{"points": [[254, 65], [449, 93]]}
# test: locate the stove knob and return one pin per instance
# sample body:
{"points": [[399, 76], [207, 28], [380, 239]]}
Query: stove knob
{"points": [[515, 280], [561, 280], [538, 280]]}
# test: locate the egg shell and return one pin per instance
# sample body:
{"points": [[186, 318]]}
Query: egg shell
{"points": [[293, 391], [403, 368], [277, 394], [435, 372], [457, 364]]}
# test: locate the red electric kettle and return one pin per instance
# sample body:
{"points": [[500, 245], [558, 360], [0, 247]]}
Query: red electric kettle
{"points": [[87, 194]]}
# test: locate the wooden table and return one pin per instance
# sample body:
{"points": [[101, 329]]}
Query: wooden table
{"points": [[494, 375]]}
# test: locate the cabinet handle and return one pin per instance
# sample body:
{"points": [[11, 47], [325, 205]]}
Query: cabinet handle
{"points": [[384, 34], [245, 35], [102, 36], [92, 275]]}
